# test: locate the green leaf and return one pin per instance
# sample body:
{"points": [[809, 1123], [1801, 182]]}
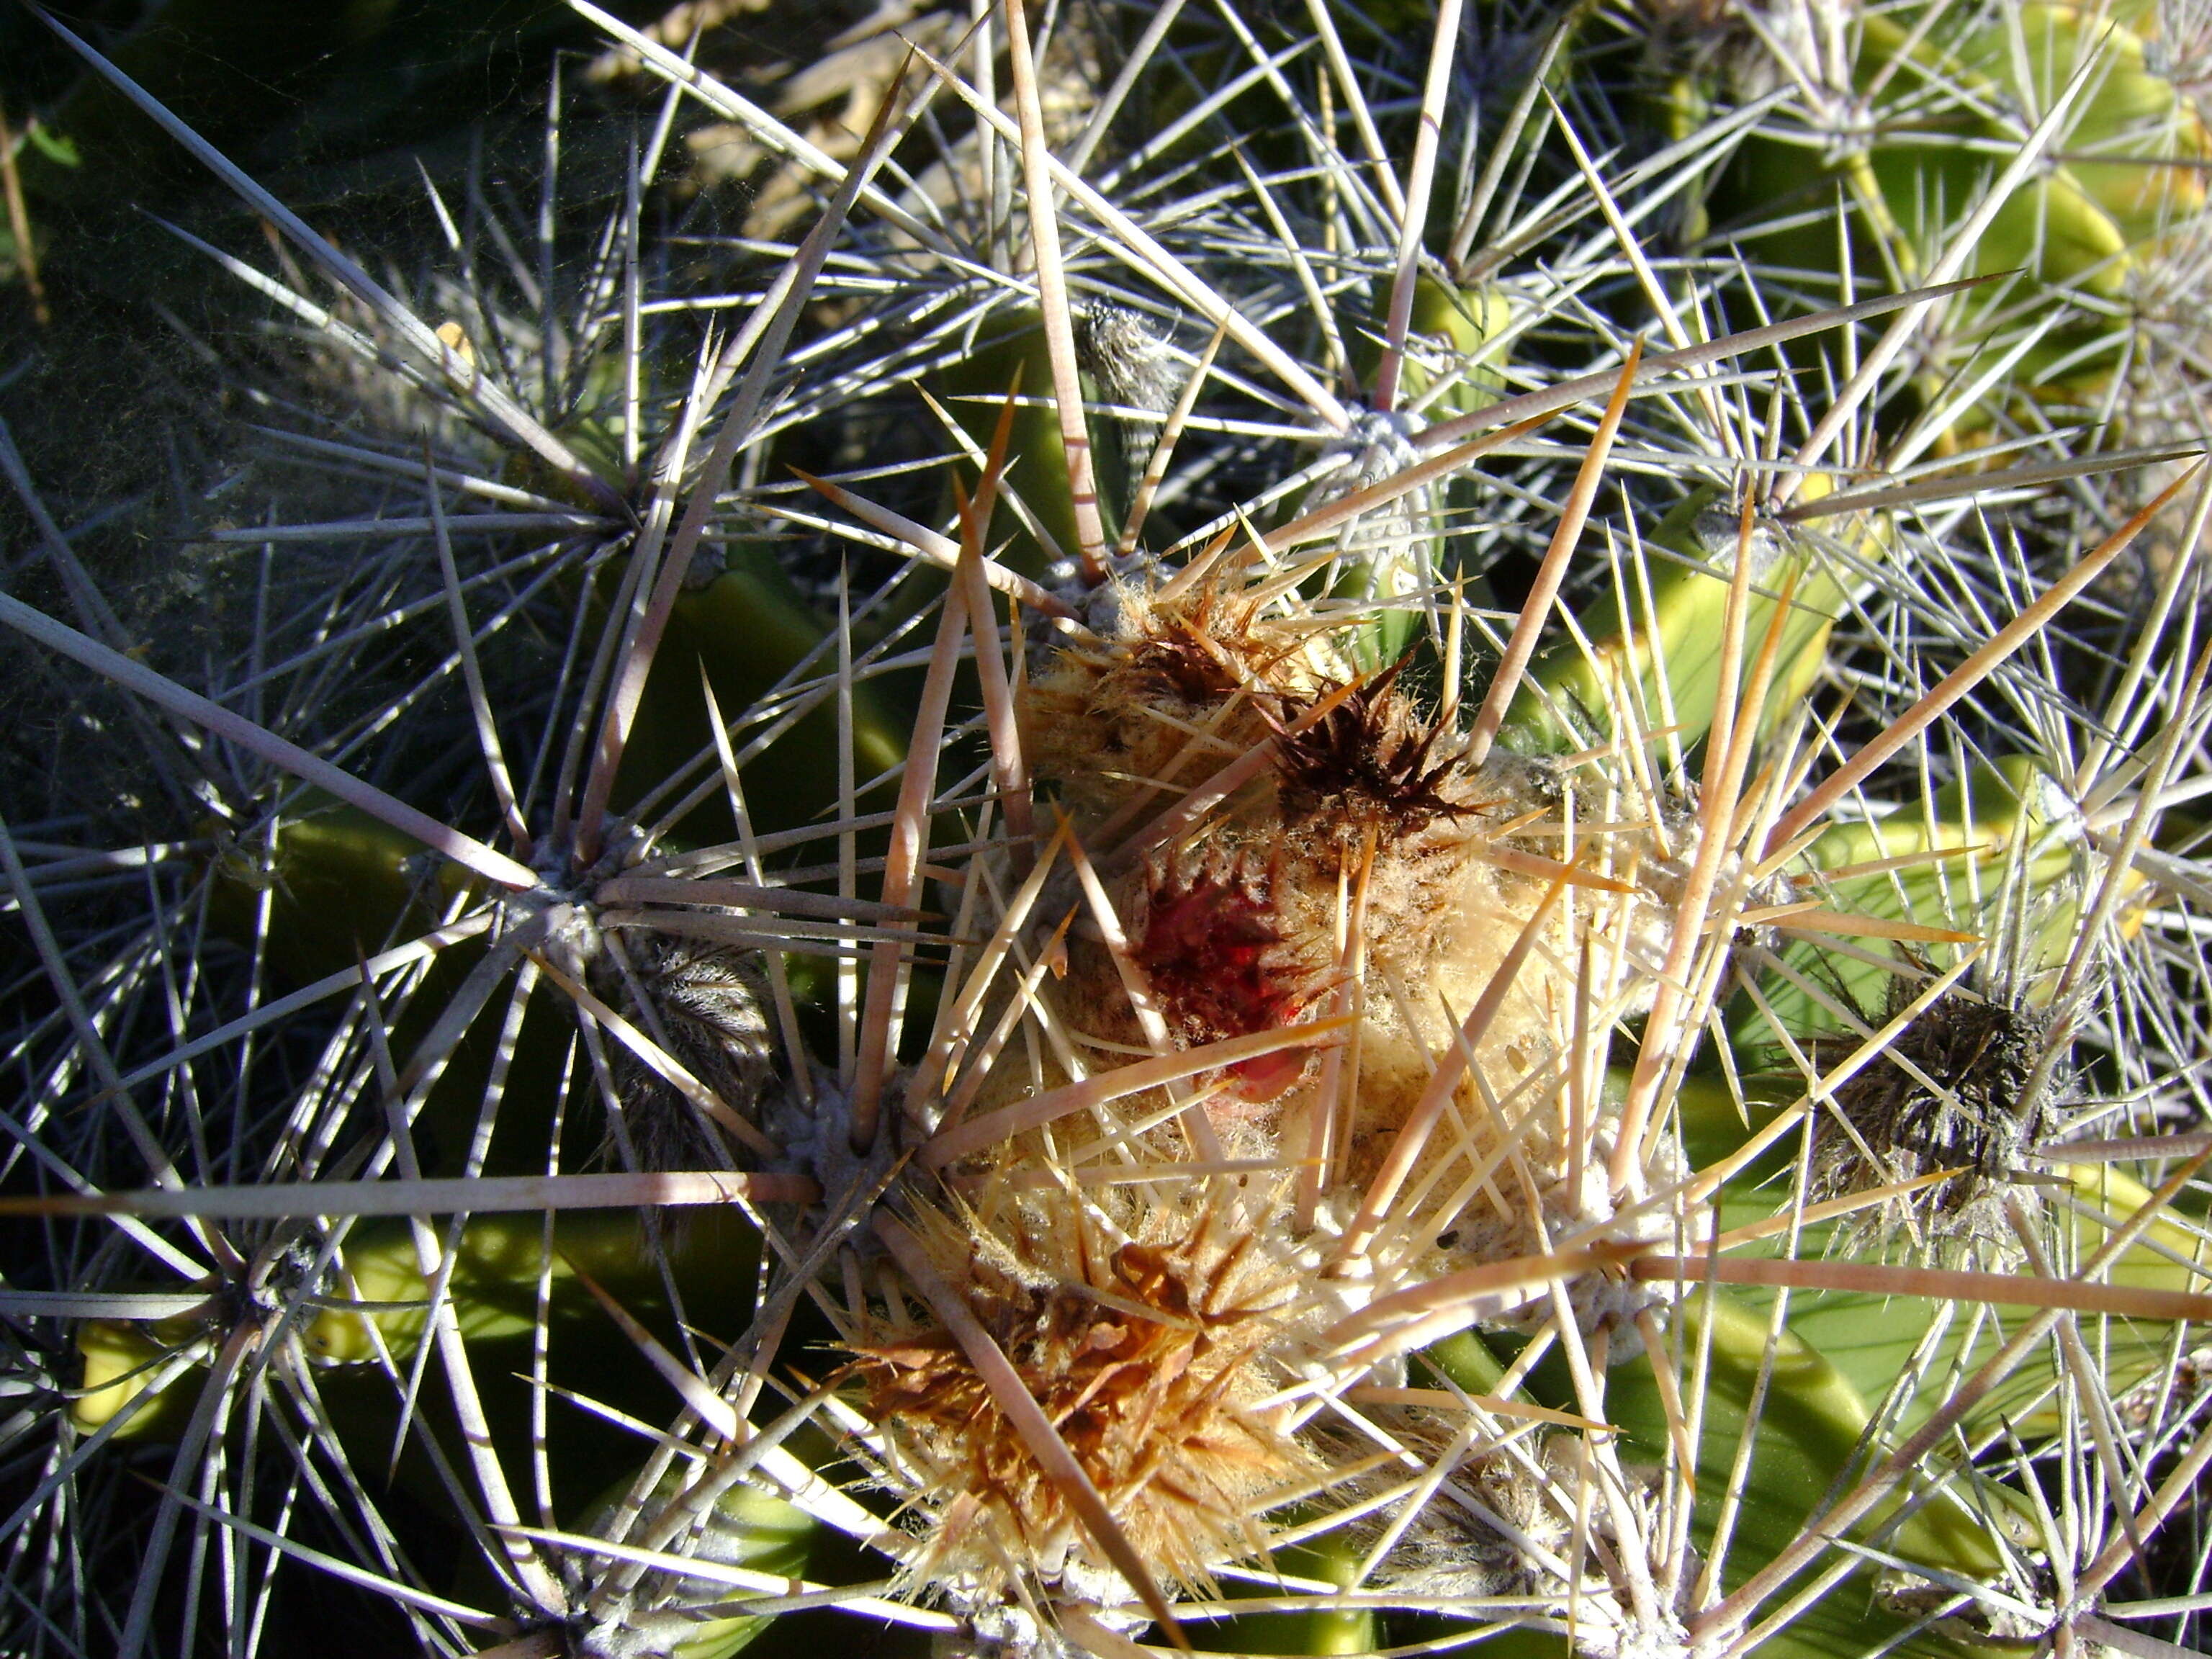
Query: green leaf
{"points": [[61, 151]]}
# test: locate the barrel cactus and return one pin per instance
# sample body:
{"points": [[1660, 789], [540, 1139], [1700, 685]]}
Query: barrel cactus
{"points": [[1248, 872]]}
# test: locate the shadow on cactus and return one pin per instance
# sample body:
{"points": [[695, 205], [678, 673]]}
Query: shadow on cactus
{"points": [[1335, 965]]}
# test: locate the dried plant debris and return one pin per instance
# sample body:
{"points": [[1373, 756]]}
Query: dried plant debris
{"points": [[1963, 1093]]}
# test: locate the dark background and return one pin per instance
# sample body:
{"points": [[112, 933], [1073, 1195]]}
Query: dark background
{"points": [[115, 397], [338, 107]]}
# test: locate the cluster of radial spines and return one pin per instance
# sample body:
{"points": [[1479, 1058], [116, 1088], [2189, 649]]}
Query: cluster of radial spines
{"points": [[260, 1093]]}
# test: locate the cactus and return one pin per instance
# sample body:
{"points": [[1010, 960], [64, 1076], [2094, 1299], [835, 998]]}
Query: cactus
{"points": [[1410, 957], [2059, 149]]}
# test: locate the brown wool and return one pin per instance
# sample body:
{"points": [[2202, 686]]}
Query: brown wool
{"points": [[1175, 690], [1149, 1354], [706, 1004]]}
